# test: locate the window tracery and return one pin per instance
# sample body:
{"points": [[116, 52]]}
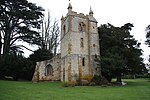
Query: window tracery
{"points": [[81, 27], [48, 70]]}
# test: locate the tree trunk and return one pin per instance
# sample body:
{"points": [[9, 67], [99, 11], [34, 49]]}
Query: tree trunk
{"points": [[119, 77], [55, 49], [6, 46], [0, 44], [6, 49]]}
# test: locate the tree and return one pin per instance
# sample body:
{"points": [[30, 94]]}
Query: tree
{"points": [[133, 52], [50, 34], [111, 51], [18, 21], [40, 55], [16, 66], [120, 52], [148, 38], [148, 35]]}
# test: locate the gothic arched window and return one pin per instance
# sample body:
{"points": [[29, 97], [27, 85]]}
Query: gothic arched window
{"points": [[48, 70], [81, 27]]}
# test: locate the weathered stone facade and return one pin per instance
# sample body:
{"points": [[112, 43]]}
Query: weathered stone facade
{"points": [[48, 70], [79, 45]]}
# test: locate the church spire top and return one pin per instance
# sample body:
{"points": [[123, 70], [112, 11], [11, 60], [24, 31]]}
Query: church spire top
{"points": [[69, 7], [91, 12]]}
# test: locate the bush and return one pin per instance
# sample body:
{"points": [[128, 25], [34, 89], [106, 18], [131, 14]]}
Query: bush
{"points": [[108, 75], [92, 84], [84, 80], [145, 75], [16, 66], [98, 80]]}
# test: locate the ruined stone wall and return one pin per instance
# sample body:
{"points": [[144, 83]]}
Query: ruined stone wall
{"points": [[40, 70]]}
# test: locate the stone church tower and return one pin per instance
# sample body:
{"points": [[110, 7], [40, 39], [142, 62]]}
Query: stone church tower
{"points": [[79, 45]]}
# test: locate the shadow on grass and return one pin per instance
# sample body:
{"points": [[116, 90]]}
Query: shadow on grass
{"points": [[148, 79], [137, 82]]}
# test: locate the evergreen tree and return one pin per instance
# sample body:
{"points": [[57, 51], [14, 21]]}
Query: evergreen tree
{"points": [[18, 21], [120, 52], [40, 55]]}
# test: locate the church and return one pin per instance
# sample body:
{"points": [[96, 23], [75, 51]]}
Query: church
{"points": [[79, 47]]}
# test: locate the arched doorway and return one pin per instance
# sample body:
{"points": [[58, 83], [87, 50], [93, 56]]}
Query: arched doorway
{"points": [[48, 70]]}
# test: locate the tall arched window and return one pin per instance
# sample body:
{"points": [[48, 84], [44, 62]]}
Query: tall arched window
{"points": [[48, 70], [83, 61], [64, 29]]}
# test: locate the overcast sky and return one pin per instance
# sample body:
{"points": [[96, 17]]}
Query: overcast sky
{"points": [[115, 12]]}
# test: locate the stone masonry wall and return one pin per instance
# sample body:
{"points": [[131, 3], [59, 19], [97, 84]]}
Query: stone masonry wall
{"points": [[40, 70]]}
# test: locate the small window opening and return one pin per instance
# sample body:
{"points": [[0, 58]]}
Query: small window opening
{"points": [[93, 45], [83, 61], [82, 45], [96, 69], [64, 29]]}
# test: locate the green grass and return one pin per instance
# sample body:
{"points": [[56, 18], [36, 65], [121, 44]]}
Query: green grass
{"points": [[138, 89]]}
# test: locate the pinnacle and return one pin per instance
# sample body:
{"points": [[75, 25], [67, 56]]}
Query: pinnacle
{"points": [[70, 6], [91, 12]]}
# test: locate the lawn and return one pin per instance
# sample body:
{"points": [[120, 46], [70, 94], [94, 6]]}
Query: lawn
{"points": [[138, 89]]}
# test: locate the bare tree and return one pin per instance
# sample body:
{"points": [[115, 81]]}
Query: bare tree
{"points": [[50, 34]]}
